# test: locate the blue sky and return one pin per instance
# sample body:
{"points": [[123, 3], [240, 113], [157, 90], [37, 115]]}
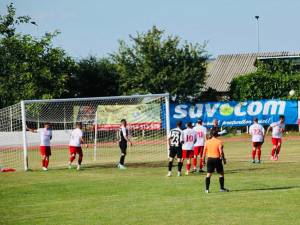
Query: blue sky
{"points": [[93, 27]]}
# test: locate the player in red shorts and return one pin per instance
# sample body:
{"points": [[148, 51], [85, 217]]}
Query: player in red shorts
{"points": [[201, 132], [45, 149], [189, 138], [277, 132], [257, 132], [75, 145]]}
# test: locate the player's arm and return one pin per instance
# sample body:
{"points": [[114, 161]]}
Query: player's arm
{"points": [[222, 153], [126, 137], [32, 130], [204, 154], [270, 127]]}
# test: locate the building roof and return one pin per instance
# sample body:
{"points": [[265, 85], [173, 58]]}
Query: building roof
{"points": [[227, 67]]}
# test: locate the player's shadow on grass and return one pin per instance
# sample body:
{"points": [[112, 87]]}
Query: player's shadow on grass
{"points": [[266, 188], [243, 170]]}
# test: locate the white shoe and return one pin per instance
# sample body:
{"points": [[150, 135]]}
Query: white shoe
{"points": [[122, 167], [206, 191], [44, 168], [78, 167], [70, 166], [169, 174], [179, 174], [187, 173]]}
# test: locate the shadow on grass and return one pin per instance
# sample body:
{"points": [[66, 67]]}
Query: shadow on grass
{"points": [[244, 170], [266, 189]]}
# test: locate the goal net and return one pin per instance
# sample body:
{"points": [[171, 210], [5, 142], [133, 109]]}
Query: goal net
{"points": [[147, 117]]}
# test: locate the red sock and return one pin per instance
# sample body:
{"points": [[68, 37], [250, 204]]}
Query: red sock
{"points": [[278, 149], [188, 166], [72, 158], [46, 163], [194, 163], [201, 164], [43, 162], [258, 154], [273, 151], [253, 153]]}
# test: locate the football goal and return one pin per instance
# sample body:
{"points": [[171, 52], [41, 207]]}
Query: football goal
{"points": [[147, 117]]}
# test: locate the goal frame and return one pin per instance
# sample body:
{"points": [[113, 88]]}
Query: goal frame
{"points": [[166, 97]]}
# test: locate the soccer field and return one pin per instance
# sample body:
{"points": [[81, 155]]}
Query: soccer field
{"points": [[267, 193]]}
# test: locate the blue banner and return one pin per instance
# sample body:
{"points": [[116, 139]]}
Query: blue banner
{"points": [[234, 113]]}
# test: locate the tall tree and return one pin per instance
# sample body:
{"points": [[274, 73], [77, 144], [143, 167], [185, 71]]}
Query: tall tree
{"points": [[154, 64], [30, 67], [94, 77], [273, 79]]}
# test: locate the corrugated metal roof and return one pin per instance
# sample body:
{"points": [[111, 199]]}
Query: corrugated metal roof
{"points": [[227, 67]]}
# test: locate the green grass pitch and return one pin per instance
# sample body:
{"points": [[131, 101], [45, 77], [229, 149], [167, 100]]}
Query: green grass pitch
{"points": [[267, 193]]}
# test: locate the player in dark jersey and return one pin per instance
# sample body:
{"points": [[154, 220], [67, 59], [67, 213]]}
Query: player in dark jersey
{"points": [[123, 139], [175, 138]]}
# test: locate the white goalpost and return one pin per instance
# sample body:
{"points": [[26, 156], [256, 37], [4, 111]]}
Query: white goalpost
{"points": [[148, 122]]}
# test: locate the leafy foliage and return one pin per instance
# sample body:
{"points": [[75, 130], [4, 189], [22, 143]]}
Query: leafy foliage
{"points": [[153, 64], [274, 79], [30, 68], [94, 77]]}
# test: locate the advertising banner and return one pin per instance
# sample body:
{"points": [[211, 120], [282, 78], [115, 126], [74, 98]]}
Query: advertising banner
{"points": [[234, 113]]}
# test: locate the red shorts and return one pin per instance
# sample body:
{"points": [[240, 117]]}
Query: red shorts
{"points": [[198, 150], [45, 150], [75, 150], [276, 141], [187, 154], [257, 144]]}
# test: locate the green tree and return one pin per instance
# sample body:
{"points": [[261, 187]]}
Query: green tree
{"points": [[154, 64], [274, 79], [94, 77], [30, 68]]}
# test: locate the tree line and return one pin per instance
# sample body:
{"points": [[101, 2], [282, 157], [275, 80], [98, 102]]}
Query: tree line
{"points": [[151, 62]]}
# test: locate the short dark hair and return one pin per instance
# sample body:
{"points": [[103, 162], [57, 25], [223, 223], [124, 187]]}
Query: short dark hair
{"points": [[255, 119], [178, 123], [199, 121], [189, 124], [281, 117], [123, 121], [78, 124], [214, 132]]}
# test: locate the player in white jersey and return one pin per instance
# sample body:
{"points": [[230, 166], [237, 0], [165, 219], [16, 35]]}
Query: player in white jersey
{"points": [[175, 139], [201, 132], [189, 138], [76, 140], [257, 132], [277, 132], [45, 137]]}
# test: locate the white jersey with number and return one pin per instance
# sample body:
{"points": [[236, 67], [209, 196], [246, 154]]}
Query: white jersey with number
{"points": [[46, 135], [257, 132], [76, 136], [201, 132], [277, 129], [189, 138]]}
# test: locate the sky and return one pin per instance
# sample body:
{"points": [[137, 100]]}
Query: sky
{"points": [[93, 27]]}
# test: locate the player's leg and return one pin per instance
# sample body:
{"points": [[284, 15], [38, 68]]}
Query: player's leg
{"points": [[254, 147], [277, 149], [196, 152], [72, 151], [274, 148], [48, 154], [210, 169], [259, 152], [220, 171], [43, 156], [188, 161], [200, 156], [80, 157], [172, 154], [123, 148]]}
